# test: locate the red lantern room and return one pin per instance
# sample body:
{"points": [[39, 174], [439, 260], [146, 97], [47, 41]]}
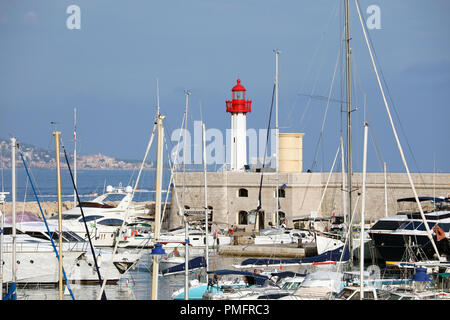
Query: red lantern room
{"points": [[238, 104]]}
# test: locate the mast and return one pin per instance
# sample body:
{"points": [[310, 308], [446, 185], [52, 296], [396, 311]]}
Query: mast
{"points": [[58, 184], [206, 198], [385, 192], [349, 123], [2, 223], [75, 155], [159, 173], [361, 231], [186, 224], [277, 52], [344, 195], [13, 195]]}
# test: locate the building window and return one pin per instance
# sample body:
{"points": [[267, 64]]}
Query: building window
{"points": [[243, 193], [242, 217], [281, 193], [210, 213]]}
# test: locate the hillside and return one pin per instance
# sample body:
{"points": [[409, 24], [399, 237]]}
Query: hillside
{"points": [[45, 158]]}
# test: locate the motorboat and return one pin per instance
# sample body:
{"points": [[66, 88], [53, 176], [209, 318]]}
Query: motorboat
{"points": [[105, 215], [369, 293], [318, 285], [283, 236], [37, 261], [176, 238], [334, 257], [286, 284], [404, 237]]}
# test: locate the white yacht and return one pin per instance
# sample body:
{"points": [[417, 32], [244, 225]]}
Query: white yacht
{"points": [[176, 239], [37, 261], [284, 236], [105, 219]]}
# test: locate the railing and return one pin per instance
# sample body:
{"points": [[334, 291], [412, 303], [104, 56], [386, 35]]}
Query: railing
{"points": [[236, 106]]}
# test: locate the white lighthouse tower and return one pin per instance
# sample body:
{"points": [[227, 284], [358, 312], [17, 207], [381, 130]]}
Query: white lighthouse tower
{"points": [[238, 107]]}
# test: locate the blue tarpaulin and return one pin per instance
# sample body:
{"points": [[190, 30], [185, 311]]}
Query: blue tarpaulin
{"points": [[332, 255], [12, 293], [195, 263]]}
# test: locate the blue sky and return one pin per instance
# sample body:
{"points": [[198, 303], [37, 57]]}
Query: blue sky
{"points": [[108, 70]]}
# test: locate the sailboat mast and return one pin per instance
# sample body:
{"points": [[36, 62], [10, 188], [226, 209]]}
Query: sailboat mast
{"points": [[206, 198], [186, 224], [159, 172], [75, 155], [363, 209], [385, 193], [58, 185], [13, 194], [277, 53], [349, 121]]}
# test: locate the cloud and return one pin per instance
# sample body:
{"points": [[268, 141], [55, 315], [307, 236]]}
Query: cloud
{"points": [[29, 18]]}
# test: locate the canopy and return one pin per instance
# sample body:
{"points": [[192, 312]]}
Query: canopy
{"points": [[423, 199], [331, 255], [259, 278], [193, 264]]}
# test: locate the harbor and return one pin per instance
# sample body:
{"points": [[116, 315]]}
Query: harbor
{"points": [[235, 186]]}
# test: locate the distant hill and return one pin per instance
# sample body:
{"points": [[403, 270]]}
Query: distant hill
{"points": [[45, 158]]}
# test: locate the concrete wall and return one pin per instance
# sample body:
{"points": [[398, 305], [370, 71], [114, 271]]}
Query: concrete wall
{"points": [[303, 194]]}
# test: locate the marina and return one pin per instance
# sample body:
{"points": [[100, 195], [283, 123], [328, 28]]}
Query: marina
{"points": [[216, 221]]}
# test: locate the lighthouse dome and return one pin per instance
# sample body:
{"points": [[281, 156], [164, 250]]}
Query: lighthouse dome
{"points": [[239, 86]]}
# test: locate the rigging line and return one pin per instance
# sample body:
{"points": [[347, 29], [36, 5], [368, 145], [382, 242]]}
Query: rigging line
{"points": [[329, 176], [84, 219], [375, 143], [326, 112], [127, 211], [333, 13], [393, 104], [396, 136], [170, 180], [45, 220], [265, 150]]}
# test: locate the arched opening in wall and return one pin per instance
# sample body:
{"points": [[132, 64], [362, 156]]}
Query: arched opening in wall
{"points": [[243, 193], [242, 217]]}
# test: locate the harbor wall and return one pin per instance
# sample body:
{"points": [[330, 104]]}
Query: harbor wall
{"points": [[303, 195]]}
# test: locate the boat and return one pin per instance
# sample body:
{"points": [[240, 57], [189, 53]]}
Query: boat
{"points": [[286, 284], [284, 236], [403, 237], [37, 262], [318, 285], [105, 219], [246, 283], [331, 257], [176, 238], [370, 293], [193, 264]]}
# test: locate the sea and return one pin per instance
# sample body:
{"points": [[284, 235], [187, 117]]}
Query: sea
{"points": [[135, 284], [90, 183]]}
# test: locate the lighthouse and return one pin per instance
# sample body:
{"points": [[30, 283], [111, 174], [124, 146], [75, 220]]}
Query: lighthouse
{"points": [[238, 107]]}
